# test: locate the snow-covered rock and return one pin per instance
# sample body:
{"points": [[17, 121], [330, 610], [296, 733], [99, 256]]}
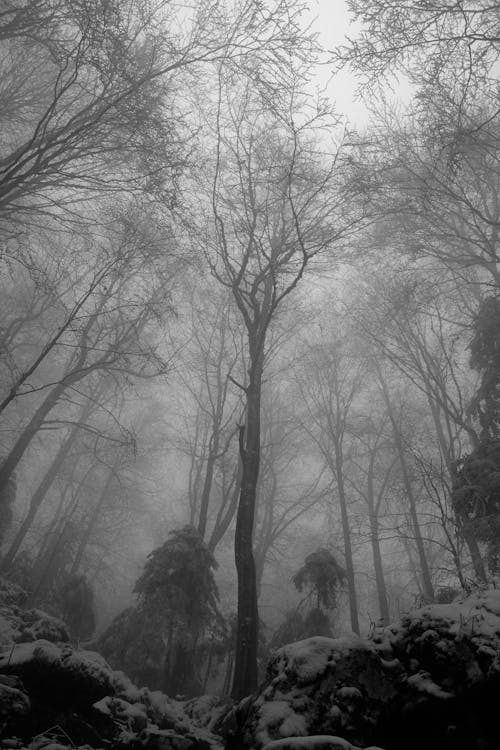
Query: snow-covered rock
{"points": [[314, 742], [54, 696], [432, 681], [19, 625], [321, 686]]}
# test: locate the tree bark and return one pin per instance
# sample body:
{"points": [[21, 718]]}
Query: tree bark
{"points": [[245, 666], [346, 531], [373, 503], [226, 514], [10, 463], [207, 487], [383, 603], [427, 586]]}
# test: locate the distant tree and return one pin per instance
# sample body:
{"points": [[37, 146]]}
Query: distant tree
{"points": [[331, 379], [277, 200], [476, 497], [298, 625], [449, 48], [7, 499], [290, 630], [321, 576], [76, 600], [476, 493], [158, 639], [485, 358]]}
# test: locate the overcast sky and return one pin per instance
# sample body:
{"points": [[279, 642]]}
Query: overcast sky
{"points": [[333, 24]]}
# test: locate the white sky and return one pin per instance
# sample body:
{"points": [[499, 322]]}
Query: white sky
{"points": [[333, 24]]}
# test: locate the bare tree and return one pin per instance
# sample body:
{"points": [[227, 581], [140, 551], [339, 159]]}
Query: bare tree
{"points": [[113, 333], [331, 381], [276, 201], [375, 469]]}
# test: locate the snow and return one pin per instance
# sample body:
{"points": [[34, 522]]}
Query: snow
{"points": [[21, 625], [309, 658], [423, 683], [278, 717], [21, 653], [314, 742], [308, 743]]}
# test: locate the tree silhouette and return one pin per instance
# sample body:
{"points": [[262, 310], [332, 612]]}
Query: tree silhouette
{"points": [[156, 642], [476, 493], [322, 576]]}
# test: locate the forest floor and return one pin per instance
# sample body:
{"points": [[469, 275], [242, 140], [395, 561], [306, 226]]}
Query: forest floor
{"points": [[431, 680]]}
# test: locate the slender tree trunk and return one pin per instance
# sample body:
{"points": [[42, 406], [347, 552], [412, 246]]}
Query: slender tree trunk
{"points": [[42, 489], [413, 566], [424, 566], [209, 666], [10, 463], [474, 551], [226, 515], [464, 523], [383, 603], [47, 570], [7, 500], [94, 517], [373, 503], [346, 531], [207, 487], [245, 666], [229, 673]]}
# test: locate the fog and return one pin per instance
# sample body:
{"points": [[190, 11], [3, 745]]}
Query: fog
{"points": [[248, 332]]}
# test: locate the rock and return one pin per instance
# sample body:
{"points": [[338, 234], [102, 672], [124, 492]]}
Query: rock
{"points": [[430, 681], [58, 672], [19, 625], [314, 742], [11, 594], [321, 686], [15, 706]]}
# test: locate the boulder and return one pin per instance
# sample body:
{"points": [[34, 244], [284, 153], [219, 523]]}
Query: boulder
{"points": [[54, 696], [430, 681]]}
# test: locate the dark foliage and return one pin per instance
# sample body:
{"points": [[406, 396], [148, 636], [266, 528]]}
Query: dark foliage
{"points": [[296, 626], [77, 606], [485, 358], [157, 641], [476, 494], [322, 575]]}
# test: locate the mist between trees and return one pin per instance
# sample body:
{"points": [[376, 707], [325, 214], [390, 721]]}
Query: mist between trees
{"points": [[239, 336]]}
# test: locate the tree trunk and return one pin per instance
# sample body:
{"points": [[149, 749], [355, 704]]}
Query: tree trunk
{"points": [[47, 570], [10, 463], [373, 503], [464, 523], [7, 500], [207, 487], [383, 603], [245, 666], [424, 567], [473, 546], [94, 517], [346, 531], [226, 515], [42, 489]]}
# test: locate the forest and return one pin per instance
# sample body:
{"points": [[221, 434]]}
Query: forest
{"points": [[249, 375]]}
